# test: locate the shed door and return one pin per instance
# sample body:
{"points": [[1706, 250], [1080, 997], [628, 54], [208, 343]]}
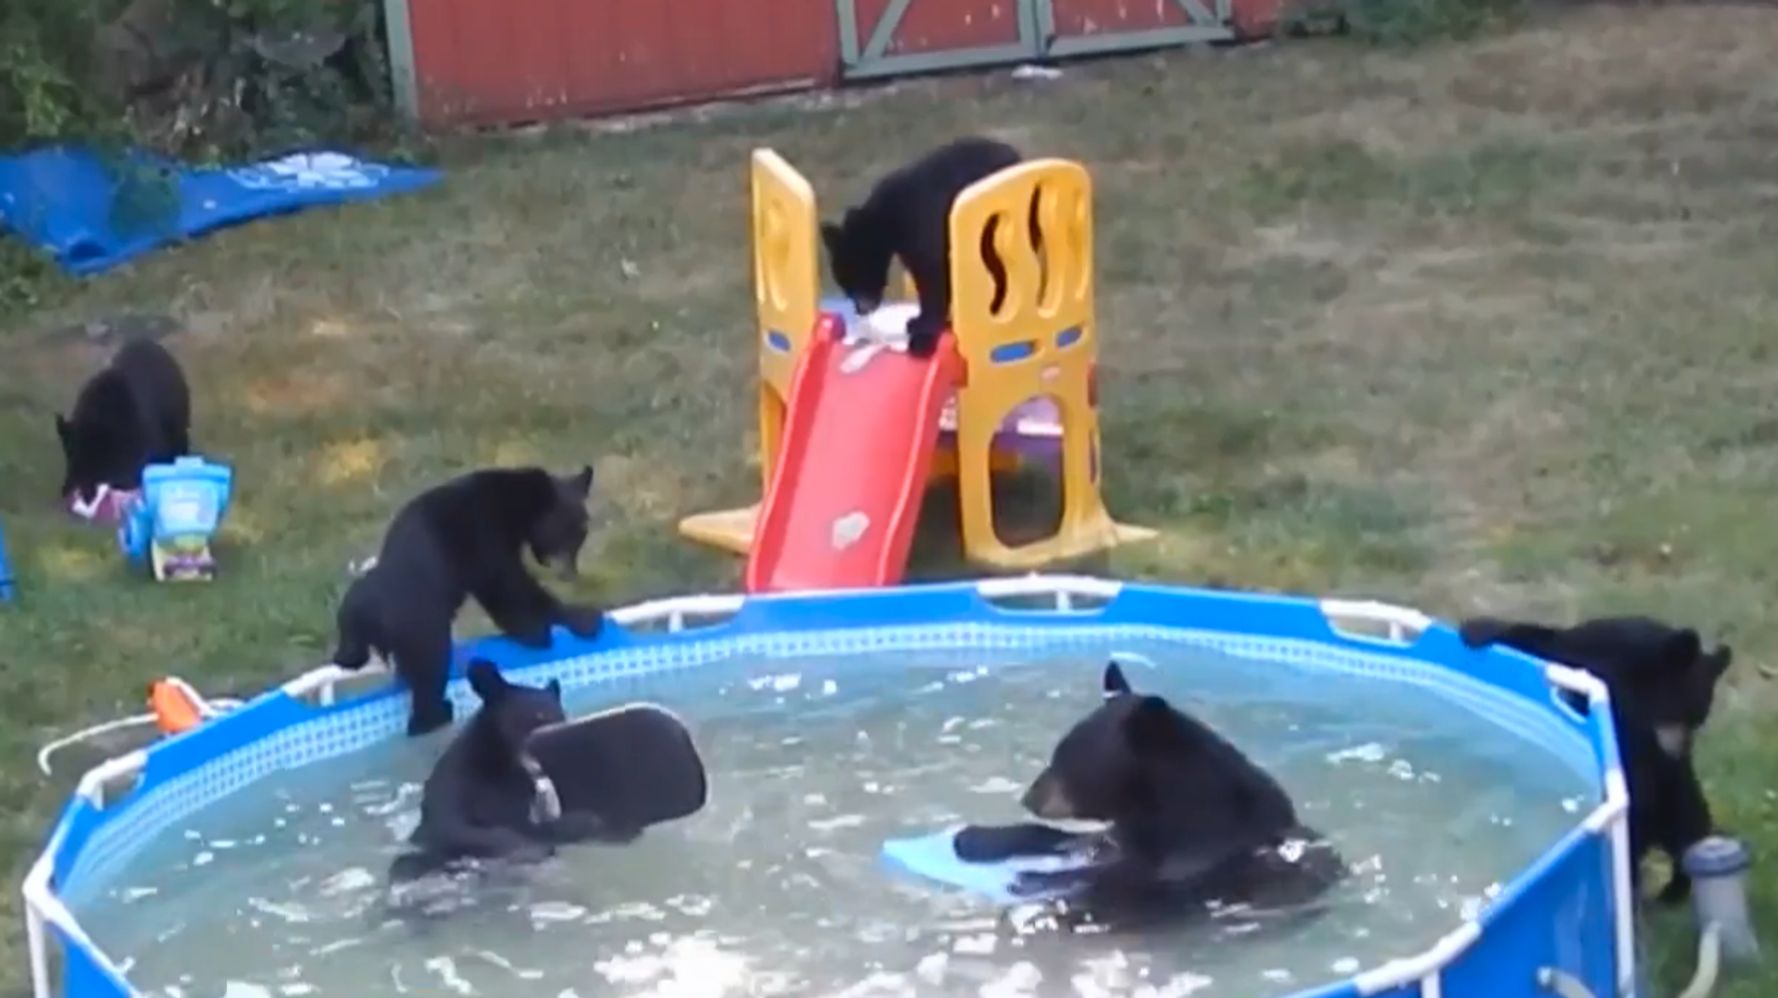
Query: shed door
{"points": [[885, 37], [1075, 27]]}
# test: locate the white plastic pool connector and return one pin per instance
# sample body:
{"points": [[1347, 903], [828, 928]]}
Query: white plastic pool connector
{"points": [[1562, 985], [1400, 624], [1611, 817], [42, 907], [676, 610], [1422, 968]]}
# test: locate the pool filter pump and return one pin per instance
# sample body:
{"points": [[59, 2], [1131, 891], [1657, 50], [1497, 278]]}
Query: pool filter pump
{"points": [[1718, 867]]}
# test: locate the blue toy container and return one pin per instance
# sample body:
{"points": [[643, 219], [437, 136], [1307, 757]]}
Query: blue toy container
{"points": [[5, 570], [168, 526]]}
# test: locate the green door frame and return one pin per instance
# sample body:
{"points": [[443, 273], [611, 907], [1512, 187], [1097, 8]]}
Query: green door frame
{"points": [[1203, 24], [862, 58]]}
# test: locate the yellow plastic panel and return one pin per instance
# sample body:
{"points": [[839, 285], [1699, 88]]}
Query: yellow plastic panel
{"points": [[1030, 334], [786, 286]]}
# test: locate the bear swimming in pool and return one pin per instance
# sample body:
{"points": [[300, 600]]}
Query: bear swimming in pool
{"points": [[1193, 825]]}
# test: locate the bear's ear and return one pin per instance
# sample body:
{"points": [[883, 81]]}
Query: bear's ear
{"points": [[832, 236], [1717, 662], [1683, 648], [1154, 726], [1115, 684], [486, 680], [62, 428], [582, 481]]}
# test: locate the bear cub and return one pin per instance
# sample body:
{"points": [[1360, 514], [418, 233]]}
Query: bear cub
{"points": [[1193, 823], [1662, 684], [478, 802], [907, 216], [135, 412], [466, 538]]}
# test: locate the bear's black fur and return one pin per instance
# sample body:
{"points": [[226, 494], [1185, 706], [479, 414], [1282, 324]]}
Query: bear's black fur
{"points": [[460, 539], [135, 412], [1662, 685], [478, 801], [907, 215], [1193, 823]]}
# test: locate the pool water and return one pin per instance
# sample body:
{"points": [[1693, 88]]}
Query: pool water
{"points": [[776, 888]]}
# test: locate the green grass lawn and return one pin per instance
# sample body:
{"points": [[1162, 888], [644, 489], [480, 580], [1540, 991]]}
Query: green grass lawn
{"points": [[1486, 327]]}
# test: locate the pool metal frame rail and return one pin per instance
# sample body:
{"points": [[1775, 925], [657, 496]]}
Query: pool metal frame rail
{"points": [[1561, 926]]}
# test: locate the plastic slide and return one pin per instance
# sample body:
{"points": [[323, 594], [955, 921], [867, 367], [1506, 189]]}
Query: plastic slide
{"points": [[860, 428]]}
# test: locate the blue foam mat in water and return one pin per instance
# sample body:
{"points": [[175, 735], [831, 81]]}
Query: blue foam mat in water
{"points": [[934, 857], [64, 199]]}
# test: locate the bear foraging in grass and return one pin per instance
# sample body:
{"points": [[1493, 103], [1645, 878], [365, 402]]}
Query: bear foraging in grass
{"points": [[1193, 823], [1662, 684], [479, 801], [466, 538], [907, 215], [135, 412]]}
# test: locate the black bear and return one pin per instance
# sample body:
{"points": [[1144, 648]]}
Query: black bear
{"points": [[1662, 684], [908, 215], [466, 538], [1193, 823], [480, 802], [135, 412]]}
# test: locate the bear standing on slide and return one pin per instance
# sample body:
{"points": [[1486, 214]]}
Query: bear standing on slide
{"points": [[461, 539], [134, 413], [908, 215]]}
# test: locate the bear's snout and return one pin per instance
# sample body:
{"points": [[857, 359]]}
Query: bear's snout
{"points": [[1047, 799], [1674, 739]]}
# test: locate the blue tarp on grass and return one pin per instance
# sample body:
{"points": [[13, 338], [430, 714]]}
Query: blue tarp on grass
{"points": [[66, 200]]}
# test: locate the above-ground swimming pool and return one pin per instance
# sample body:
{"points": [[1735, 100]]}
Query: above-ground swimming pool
{"points": [[1483, 817]]}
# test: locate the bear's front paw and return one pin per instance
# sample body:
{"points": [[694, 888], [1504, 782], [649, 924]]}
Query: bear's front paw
{"points": [[353, 657], [531, 635], [923, 334], [583, 621], [429, 717], [1677, 889]]}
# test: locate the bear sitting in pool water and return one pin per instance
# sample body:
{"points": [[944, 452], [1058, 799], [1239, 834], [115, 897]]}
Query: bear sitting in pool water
{"points": [[1195, 825], [479, 802], [466, 538], [1662, 685]]}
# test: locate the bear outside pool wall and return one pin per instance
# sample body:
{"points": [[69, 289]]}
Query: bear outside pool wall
{"points": [[1566, 918]]}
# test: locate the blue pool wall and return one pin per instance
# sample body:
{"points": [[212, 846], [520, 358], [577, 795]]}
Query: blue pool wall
{"points": [[1566, 912]]}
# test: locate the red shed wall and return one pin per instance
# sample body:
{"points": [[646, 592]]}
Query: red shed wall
{"points": [[1079, 18], [508, 61], [942, 25]]}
